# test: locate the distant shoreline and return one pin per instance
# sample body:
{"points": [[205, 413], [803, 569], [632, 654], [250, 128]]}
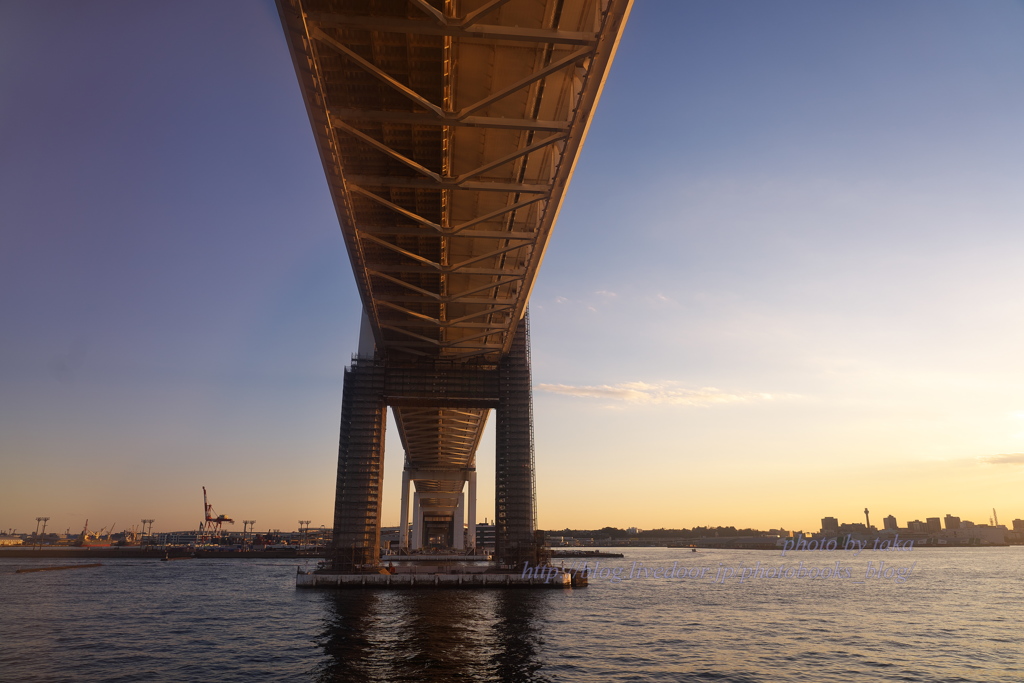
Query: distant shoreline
{"points": [[129, 553], [153, 553]]}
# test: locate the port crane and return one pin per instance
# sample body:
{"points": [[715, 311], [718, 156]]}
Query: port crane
{"points": [[212, 520], [84, 536], [93, 537]]}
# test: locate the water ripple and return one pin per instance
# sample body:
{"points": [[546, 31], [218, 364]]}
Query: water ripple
{"points": [[956, 619]]}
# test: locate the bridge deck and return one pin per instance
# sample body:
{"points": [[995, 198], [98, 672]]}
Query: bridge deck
{"points": [[448, 131]]}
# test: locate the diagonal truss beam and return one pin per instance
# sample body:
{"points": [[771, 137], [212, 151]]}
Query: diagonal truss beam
{"points": [[461, 228], [452, 30], [511, 156], [425, 119], [419, 290], [404, 252], [430, 10], [457, 181], [497, 252], [375, 71], [484, 301], [387, 229], [468, 20], [482, 11], [429, 184], [457, 322], [381, 147], [528, 80]]}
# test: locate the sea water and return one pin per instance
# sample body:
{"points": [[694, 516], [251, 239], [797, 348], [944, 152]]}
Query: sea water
{"points": [[657, 614]]}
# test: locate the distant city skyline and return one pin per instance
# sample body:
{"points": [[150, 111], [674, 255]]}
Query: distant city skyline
{"points": [[786, 278], [948, 521], [937, 523]]}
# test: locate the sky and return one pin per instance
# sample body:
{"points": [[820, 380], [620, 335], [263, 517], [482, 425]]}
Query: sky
{"points": [[785, 283]]}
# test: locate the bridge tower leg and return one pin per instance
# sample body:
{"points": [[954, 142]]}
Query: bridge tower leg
{"points": [[360, 468], [471, 511], [458, 520], [417, 522], [403, 523], [514, 492]]}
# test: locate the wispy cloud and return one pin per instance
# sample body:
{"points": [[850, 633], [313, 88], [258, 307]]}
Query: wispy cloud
{"points": [[1004, 459], [671, 393]]}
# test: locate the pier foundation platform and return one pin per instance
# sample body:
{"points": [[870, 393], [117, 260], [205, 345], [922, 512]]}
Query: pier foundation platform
{"points": [[560, 579]]}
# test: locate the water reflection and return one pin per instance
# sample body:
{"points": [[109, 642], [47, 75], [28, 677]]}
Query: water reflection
{"points": [[346, 646], [518, 627], [432, 636]]}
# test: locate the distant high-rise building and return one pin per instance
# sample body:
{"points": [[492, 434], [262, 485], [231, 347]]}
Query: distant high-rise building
{"points": [[917, 526], [829, 525], [1018, 525], [889, 523], [934, 524], [952, 522], [485, 535]]}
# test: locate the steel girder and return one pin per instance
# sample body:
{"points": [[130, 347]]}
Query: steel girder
{"points": [[449, 131]]}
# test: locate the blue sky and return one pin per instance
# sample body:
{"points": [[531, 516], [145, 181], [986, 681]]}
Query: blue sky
{"points": [[784, 284]]}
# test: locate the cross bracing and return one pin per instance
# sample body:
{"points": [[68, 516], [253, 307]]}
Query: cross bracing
{"points": [[448, 131]]}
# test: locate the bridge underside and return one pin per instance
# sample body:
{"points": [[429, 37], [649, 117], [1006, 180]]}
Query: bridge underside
{"points": [[448, 130]]}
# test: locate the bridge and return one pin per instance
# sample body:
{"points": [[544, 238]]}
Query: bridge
{"points": [[448, 132]]}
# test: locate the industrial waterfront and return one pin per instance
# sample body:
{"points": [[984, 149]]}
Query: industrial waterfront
{"points": [[477, 541]]}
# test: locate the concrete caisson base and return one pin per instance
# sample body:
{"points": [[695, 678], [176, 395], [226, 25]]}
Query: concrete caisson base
{"points": [[398, 581]]}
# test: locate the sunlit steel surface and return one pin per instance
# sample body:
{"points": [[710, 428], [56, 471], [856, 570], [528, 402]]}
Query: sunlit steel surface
{"points": [[448, 132]]}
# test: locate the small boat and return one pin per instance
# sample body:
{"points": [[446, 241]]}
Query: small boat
{"points": [[168, 558]]}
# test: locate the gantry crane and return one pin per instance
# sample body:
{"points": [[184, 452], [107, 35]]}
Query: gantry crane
{"points": [[212, 520]]}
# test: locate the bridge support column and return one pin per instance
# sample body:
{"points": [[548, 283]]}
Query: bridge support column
{"points": [[421, 395], [356, 540], [471, 511], [417, 522], [514, 493], [403, 529], [458, 530]]}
